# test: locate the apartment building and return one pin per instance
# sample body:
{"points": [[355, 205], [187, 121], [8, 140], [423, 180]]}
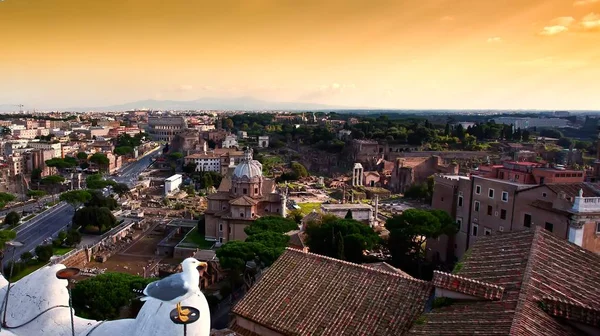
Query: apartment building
{"points": [[208, 161], [570, 211], [55, 147]]}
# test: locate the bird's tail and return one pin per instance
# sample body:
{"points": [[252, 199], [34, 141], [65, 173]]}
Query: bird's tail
{"points": [[142, 297]]}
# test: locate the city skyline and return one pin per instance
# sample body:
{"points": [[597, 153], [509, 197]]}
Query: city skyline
{"points": [[429, 54]]}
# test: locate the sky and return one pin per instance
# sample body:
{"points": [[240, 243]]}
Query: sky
{"points": [[404, 54]]}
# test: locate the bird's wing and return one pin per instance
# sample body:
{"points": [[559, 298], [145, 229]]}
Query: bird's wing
{"points": [[168, 289]]}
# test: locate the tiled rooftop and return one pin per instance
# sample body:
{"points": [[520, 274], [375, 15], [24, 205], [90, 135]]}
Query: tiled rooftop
{"points": [[308, 294], [532, 267]]}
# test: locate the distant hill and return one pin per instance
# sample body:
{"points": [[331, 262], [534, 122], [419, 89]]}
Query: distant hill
{"points": [[241, 103]]}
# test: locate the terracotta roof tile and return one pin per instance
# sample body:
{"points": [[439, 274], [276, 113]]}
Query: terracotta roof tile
{"points": [[467, 286], [308, 294], [529, 265], [383, 266], [243, 201], [572, 189]]}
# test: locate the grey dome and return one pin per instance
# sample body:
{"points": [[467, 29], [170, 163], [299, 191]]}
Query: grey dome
{"points": [[248, 167]]}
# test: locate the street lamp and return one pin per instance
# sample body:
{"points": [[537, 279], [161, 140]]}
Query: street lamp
{"points": [[14, 244], [68, 274]]}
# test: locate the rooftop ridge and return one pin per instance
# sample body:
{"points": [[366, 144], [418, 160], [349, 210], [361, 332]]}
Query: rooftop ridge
{"points": [[527, 274], [395, 274], [571, 310], [467, 286]]}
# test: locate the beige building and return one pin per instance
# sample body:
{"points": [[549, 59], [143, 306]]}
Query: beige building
{"points": [[485, 206], [242, 197]]}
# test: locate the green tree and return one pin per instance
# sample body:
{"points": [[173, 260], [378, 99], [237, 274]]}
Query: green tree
{"points": [[44, 252], [409, 232], [102, 297], [272, 224], [123, 150], [73, 238], [357, 237], [189, 168], [95, 181], [76, 197], [36, 174], [100, 160], [339, 242], [12, 219], [94, 219], [175, 156], [207, 181], [101, 201], [299, 169], [53, 182], [5, 236], [6, 198], [26, 256], [348, 214], [121, 189], [82, 156]]}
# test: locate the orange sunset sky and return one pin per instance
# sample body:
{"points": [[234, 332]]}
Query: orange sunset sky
{"points": [[514, 54]]}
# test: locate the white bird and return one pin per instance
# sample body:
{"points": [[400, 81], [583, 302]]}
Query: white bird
{"points": [[177, 287]]}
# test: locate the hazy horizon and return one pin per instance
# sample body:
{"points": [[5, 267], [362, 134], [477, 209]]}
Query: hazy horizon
{"points": [[382, 54]]}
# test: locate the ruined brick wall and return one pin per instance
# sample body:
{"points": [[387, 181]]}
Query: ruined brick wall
{"points": [[78, 259]]}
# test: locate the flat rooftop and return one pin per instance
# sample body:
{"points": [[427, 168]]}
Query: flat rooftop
{"points": [[334, 207], [173, 178]]}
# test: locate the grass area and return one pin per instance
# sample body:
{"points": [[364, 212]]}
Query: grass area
{"points": [[34, 266], [62, 250], [194, 237], [307, 208], [28, 217]]}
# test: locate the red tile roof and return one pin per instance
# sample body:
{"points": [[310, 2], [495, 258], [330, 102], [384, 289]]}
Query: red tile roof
{"points": [[308, 294], [529, 265], [572, 189], [467, 286]]}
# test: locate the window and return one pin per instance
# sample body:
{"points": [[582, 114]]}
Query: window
{"points": [[442, 199], [544, 195], [220, 227], [256, 190], [459, 223], [460, 201], [245, 191], [598, 228], [241, 214], [221, 240], [490, 210], [478, 189], [549, 226], [491, 193], [502, 214], [527, 220], [516, 177], [474, 229], [487, 232], [501, 228], [504, 196], [476, 206]]}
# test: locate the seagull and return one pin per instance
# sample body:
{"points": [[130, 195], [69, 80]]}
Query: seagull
{"points": [[177, 287]]}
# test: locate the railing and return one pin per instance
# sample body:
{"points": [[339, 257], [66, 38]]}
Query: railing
{"points": [[586, 204]]}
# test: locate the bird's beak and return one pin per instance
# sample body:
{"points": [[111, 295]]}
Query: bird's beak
{"points": [[202, 266]]}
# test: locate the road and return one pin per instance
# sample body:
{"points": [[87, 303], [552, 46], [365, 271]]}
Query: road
{"points": [[41, 227], [129, 174], [27, 207]]}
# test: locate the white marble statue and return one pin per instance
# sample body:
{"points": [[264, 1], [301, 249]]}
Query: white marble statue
{"points": [[41, 290]]}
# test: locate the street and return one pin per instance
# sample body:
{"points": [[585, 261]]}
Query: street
{"points": [[27, 207], [41, 227], [129, 174]]}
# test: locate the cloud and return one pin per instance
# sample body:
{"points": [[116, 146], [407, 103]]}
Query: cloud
{"points": [[495, 39], [447, 18], [591, 21], [557, 25], [584, 2], [553, 30], [562, 21]]}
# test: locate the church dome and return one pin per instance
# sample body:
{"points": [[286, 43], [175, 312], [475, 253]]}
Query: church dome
{"points": [[248, 167]]}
